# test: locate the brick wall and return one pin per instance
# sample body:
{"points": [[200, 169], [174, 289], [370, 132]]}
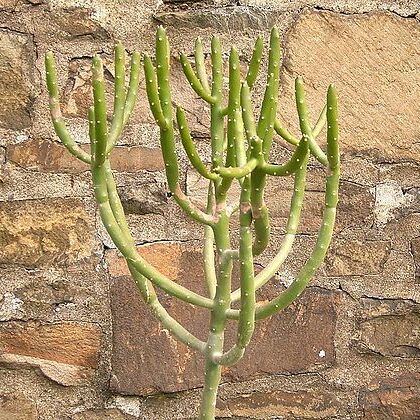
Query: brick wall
{"points": [[75, 341]]}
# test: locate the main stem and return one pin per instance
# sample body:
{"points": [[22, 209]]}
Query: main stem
{"points": [[217, 320]]}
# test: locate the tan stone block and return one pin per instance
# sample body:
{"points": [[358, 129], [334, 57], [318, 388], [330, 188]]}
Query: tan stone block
{"points": [[357, 257], [407, 175], [415, 251], [146, 359], [165, 257], [111, 414], [389, 328], [8, 4], [48, 156], [34, 233], [17, 56], [397, 398], [234, 18], [22, 185], [78, 21], [372, 59], [14, 406], [302, 404], [78, 291], [66, 352]]}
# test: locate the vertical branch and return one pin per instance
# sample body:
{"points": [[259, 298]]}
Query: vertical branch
{"points": [[265, 133], [119, 94], [159, 96], [235, 139], [291, 229], [208, 253], [327, 226], [217, 129], [56, 117], [217, 319], [255, 63], [247, 310], [133, 86], [101, 128]]}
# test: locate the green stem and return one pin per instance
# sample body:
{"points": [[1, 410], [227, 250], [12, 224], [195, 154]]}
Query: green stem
{"points": [[56, 117], [291, 228], [217, 320], [189, 146], [255, 62], [119, 96], [292, 165], [194, 80], [145, 286], [315, 151], [208, 253], [246, 322], [200, 64]]}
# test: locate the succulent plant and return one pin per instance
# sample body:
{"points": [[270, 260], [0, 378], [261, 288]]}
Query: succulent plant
{"points": [[240, 147]]}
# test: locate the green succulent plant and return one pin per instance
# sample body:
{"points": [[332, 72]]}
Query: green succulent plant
{"points": [[240, 152]]}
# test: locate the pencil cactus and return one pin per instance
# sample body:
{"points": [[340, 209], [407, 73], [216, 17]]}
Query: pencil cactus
{"points": [[240, 153]]}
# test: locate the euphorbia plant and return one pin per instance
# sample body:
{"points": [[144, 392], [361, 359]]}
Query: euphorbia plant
{"points": [[240, 150]]}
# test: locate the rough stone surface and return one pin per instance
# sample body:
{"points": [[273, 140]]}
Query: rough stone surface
{"points": [[236, 18], [77, 22], [17, 407], [110, 414], [281, 335], [50, 231], [67, 353], [347, 349], [8, 4], [17, 78], [378, 51], [355, 257], [300, 404], [397, 398], [390, 328], [403, 8], [54, 293], [415, 250], [49, 156]]}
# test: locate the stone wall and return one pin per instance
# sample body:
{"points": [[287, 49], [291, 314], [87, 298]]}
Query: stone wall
{"points": [[75, 341]]}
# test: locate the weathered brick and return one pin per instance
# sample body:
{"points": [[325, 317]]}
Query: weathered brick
{"points": [[65, 352], [415, 251], [397, 398], [55, 293], [21, 185], [389, 328], [10, 307], [14, 406], [17, 56], [8, 4], [302, 404], [75, 22], [147, 360], [152, 216], [34, 233], [392, 202], [404, 174], [367, 56], [238, 18], [50, 156], [397, 279], [356, 257], [111, 414], [403, 8]]}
